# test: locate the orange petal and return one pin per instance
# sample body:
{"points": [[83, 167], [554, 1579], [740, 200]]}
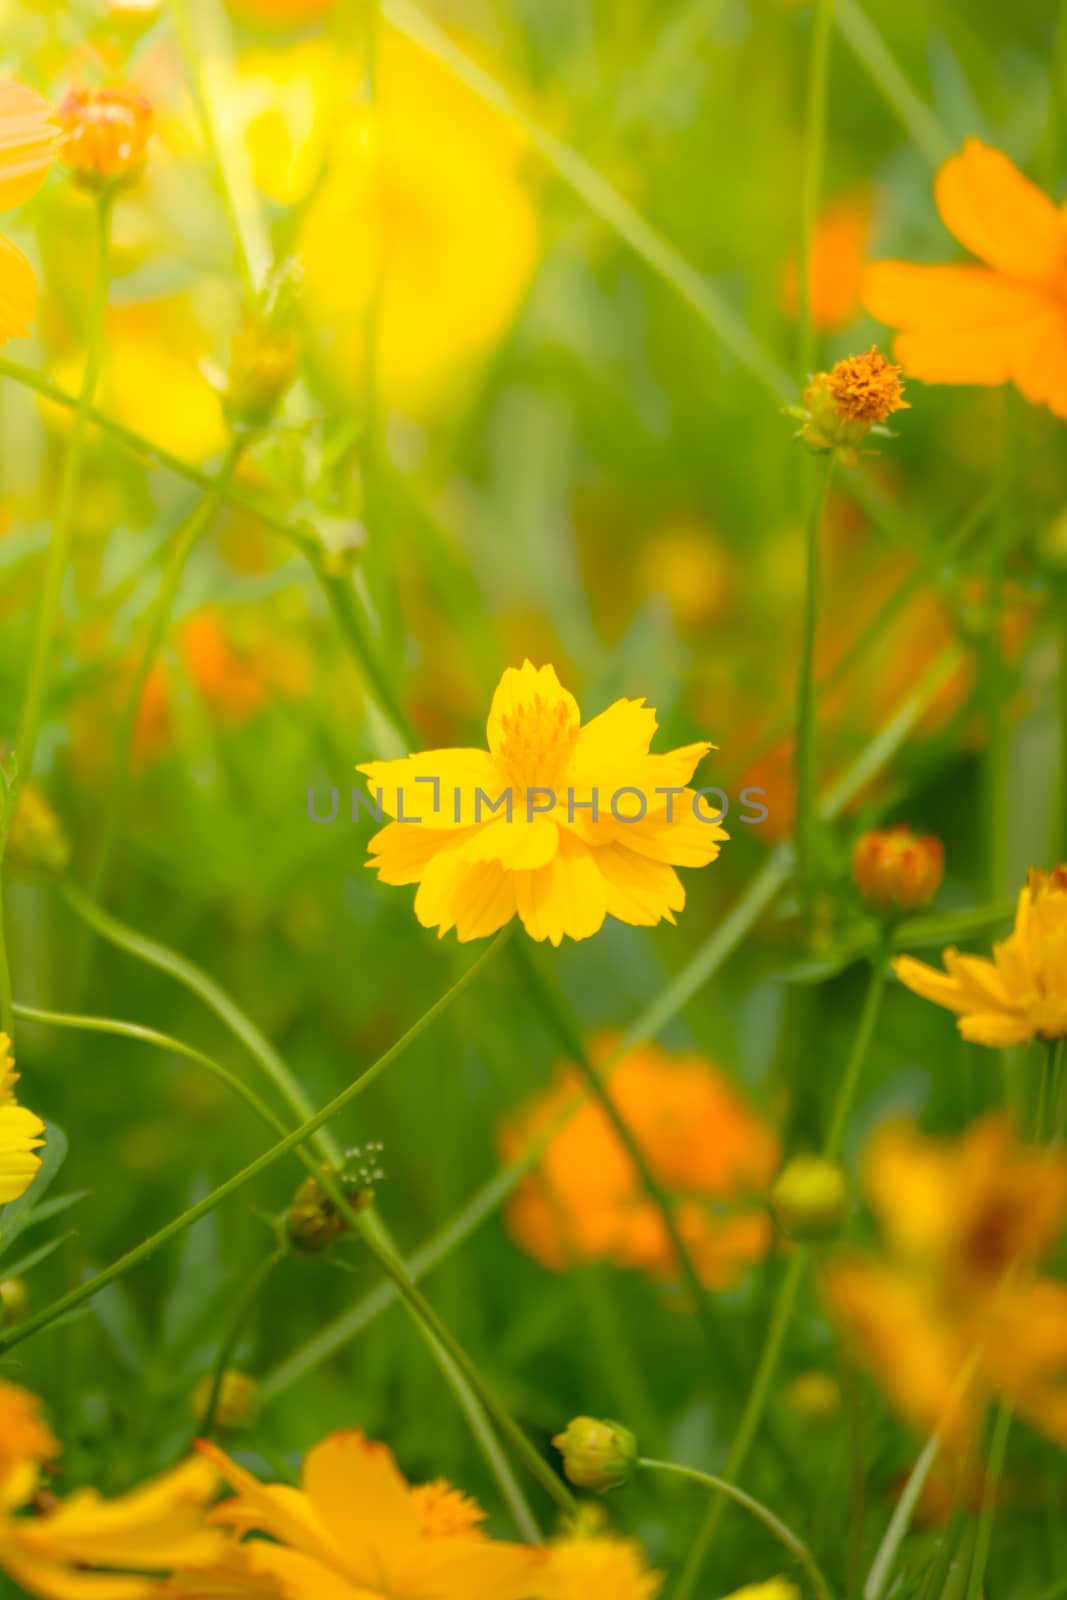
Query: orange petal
{"points": [[907, 296], [18, 292], [28, 142], [1001, 216]]}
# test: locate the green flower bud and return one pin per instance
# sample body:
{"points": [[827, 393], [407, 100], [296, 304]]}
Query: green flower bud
{"points": [[600, 1456], [810, 1198]]}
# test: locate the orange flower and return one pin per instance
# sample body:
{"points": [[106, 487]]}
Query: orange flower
{"points": [[585, 1202], [1002, 322], [28, 141], [106, 134], [837, 262]]}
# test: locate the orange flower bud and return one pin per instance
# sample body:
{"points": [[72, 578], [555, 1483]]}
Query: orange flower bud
{"points": [[897, 870], [106, 134]]}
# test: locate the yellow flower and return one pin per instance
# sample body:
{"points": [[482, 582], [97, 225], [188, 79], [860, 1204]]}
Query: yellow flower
{"points": [[153, 1528], [588, 824], [28, 141], [773, 1589], [1020, 995], [20, 1133], [956, 1313], [356, 1530], [427, 175], [590, 1562]]}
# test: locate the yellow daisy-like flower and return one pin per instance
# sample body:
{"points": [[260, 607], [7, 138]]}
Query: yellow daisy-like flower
{"points": [[20, 1133], [1020, 995], [29, 139], [355, 1530], [86, 1547], [558, 824], [591, 1562]]}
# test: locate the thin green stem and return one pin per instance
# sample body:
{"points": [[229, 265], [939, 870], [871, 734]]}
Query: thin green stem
{"points": [[792, 1541], [63, 530], [806, 717], [998, 1448], [246, 1300], [291, 1141], [157, 625], [900, 1521], [1058, 851], [7, 1011], [861, 1044], [814, 163], [870, 49], [755, 1405]]}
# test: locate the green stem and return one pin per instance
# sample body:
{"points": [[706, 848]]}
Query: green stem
{"points": [[994, 1471], [1059, 814], [806, 718], [7, 1010], [63, 531], [814, 163], [292, 1141], [552, 1006], [755, 1405], [158, 623], [861, 1044], [245, 1301], [792, 1542], [900, 1521]]}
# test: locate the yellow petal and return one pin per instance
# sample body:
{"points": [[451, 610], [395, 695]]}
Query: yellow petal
{"points": [[160, 1525], [437, 789], [18, 292], [566, 899], [640, 891], [528, 692], [364, 1503], [1001, 216], [28, 142], [929, 983], [20, 1136]]}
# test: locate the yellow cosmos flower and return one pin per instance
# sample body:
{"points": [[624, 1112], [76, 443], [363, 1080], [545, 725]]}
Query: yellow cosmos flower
{"points": [[1020, 995], [355, 1530], [558, 824], [593, 1563], [20, 1133], [58, 1552], [29, 139], [426, 174], [956, 1313]]}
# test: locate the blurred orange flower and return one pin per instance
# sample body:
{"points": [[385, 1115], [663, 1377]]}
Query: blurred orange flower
{"points": [[956, 1312], [1002, 322], [584, 1201], [837, 262], [29, 139]]}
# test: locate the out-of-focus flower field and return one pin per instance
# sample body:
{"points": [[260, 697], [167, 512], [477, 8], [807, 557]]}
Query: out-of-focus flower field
{"points": [[533, 799]]}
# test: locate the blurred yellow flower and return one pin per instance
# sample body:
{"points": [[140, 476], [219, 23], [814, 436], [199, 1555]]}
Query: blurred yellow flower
{"points": [[558, 824], [773, 1589], [1021, 994], [20, 1133], [584, 1201], [56, 1552], [417, 199], [588, 1563], [956, 1312], [355, 1530], [29, 139]]}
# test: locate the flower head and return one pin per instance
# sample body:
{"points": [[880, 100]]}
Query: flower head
{"points": [[20, 1133], [589, 1561], [897, 870], [357, 1531], [105, 135], [810, 1197], [1004, 321], [842, 406], [557, 823], [584, 1201], [29, 139], [1021, 994], [956, 1312], [147, 1531]]}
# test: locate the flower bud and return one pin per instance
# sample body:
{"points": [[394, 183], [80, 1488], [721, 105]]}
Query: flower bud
{"points": [[815, 1394], [773, 1589], [238, 1405], [313, 1222], [37, 841], [809, 1198], [106, 134], [14, 1302], [597, 1455], [898, 870], [842, 406], [264, 360]]}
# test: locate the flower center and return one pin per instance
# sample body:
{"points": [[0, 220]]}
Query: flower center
{"points": [[535, 742]]}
